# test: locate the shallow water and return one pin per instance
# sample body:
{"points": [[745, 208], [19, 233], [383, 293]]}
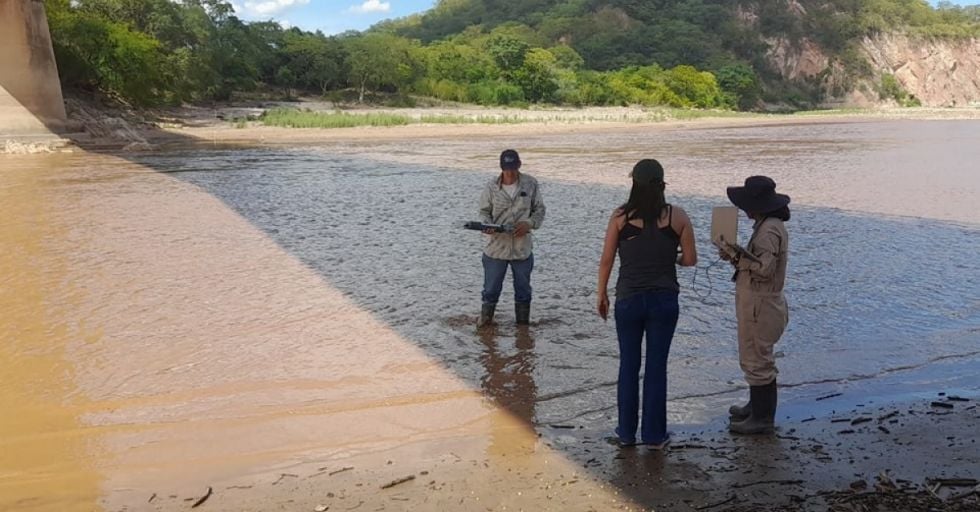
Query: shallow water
{"points": [[869, 293], [256, 294]]}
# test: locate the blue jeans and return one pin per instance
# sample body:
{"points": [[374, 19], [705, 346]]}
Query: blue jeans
{"points": [[494, 271], [654, 313]]}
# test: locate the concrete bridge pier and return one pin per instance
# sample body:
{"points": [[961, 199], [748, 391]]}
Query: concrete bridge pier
{"points": [[31, 105]]}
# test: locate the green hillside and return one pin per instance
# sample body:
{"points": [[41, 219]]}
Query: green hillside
{"points": [[721, 36], [683, 53]]}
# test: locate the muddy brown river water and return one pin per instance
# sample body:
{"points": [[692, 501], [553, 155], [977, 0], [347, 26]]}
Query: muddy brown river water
{"points": [[223, 314]]}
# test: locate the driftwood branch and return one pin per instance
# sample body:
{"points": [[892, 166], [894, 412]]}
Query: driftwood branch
{"points": [[203, 498], [956, 497], [282, 476], [399, 481], [764, 482], [713, 505], [954, 482]]}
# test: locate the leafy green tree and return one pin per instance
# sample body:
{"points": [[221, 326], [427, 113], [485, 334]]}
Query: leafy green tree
{"points": [[519, 31], [287, 79], [594, 89], [378, 60], [559, 29], [508, 52], [676, 42], [457, 62], [315, 61], [107, 55], [537, 77], [269, 38], [567, 58], [889, 88], [740, 81], [643, 85], [696, 88]]}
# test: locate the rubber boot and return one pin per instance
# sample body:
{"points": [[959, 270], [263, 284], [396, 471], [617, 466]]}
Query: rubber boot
{"points": [[486, 315], [523, 312], [762, 417], [740, 412]]}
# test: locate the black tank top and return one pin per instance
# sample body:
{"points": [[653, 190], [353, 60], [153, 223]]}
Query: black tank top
{"points": [[647, 258]]}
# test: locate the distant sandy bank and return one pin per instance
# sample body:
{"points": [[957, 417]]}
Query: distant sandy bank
{"points": [[218, 125]]}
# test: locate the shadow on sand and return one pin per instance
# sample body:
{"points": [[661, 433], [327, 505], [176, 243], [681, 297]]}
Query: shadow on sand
{"points": [[384, 234]]}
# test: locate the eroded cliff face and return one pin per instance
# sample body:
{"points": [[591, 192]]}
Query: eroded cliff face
{"points": [[938, 72], [797, 61]]}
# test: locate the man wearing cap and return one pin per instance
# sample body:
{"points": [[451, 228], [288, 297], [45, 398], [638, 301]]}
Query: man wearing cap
{"points": [[512, 199], [760, 307]]}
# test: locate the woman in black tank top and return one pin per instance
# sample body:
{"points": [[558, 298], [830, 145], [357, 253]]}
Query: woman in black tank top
{"points": [[651, 237]]}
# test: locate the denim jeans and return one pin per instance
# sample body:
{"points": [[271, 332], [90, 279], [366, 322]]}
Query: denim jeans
{"points": [[494, 271], [655, 314]]}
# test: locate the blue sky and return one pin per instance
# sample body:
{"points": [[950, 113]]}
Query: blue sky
{"points": [[335, 16], [330, 16]]}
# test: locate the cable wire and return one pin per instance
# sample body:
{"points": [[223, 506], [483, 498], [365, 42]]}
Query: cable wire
{"points": [[707, 273]]}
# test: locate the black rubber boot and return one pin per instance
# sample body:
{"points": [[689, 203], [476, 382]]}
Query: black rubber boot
{"points": [[486, 315], [740, 412], [762, 417], [523, 312]]}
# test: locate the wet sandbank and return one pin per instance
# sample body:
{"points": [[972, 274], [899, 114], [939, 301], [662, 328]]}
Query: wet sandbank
{"points": [[706, 481], [218, 353], [853, 454]]}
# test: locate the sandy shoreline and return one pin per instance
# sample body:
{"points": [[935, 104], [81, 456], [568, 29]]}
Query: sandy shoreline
{"points": [[907, 455], [194, 127], [99, 127], [359, 434], [814, 463], [805, 465]]}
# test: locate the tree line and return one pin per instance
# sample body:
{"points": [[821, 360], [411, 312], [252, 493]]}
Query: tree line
{"points": [[681, 53]]}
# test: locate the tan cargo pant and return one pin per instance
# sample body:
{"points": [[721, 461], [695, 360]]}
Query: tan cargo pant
{"points": [[762, 318]]}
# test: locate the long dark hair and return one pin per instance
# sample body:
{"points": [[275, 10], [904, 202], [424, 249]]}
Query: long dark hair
{"points": [[646, 202]]}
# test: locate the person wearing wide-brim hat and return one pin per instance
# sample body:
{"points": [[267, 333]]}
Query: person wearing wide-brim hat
{"points": [[760, 306]]}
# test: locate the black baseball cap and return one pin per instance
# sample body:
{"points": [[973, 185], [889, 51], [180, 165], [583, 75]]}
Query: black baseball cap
{"points": [[509, 159], [648, 172]]}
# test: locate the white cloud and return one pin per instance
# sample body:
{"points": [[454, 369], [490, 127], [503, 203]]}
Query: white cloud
{"points": [[268, 7], [371, 6]]}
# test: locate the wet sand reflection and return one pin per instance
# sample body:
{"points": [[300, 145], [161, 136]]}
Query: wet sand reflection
{"points": [[509, 381], [208, 356]]}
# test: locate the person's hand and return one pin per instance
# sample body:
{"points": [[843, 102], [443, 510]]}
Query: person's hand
{"points": [[602, 305], [521, 228], [723, 254]]}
